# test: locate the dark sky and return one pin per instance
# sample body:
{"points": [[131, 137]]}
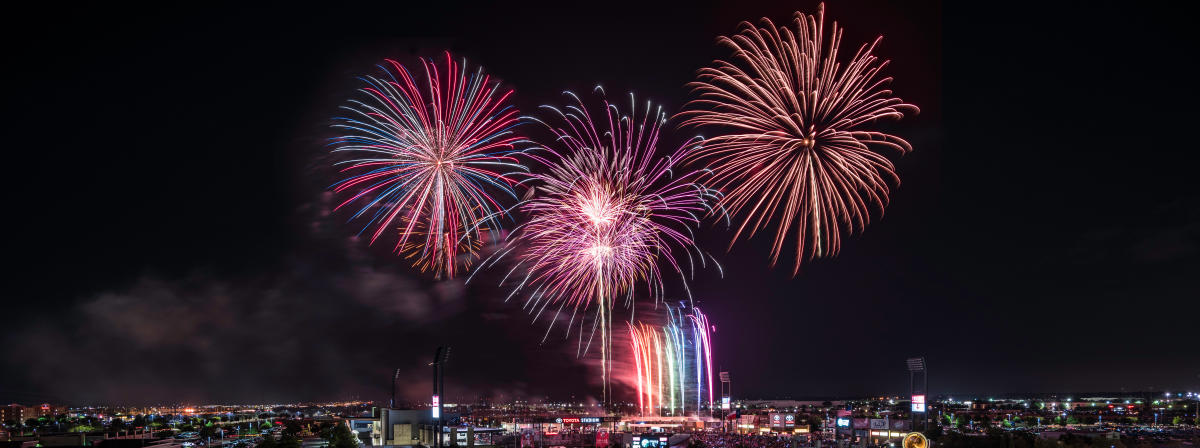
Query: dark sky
{"points": [[170, 239]]}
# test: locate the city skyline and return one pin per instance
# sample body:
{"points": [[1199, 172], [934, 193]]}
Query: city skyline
{"points": [[181, 243]]}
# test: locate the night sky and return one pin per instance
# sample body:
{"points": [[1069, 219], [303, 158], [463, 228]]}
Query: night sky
{"points": [[171, 240]]}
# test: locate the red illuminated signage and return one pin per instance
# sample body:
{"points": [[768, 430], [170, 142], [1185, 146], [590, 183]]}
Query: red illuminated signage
{"points": [[918, 403]]}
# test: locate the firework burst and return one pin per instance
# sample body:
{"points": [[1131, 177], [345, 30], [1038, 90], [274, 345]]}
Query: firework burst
{"points": [[798, 152], [429, 154], [608, 215], [664, 359]]}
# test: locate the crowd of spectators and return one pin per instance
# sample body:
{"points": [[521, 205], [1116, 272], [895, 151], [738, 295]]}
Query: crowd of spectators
{"points": [[732, 440]]}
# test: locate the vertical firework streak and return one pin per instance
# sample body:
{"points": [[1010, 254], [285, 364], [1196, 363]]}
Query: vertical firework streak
{"points": [[674, 346], [428, 155], [677, 359], [659, 349], [639, 363], [607, 213], [798, 152], [699, 369], [704, 331]]}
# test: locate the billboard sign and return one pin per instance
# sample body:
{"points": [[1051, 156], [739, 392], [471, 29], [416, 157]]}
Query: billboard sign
{"points": [[437, 407], [789, 420], [724, 402], [776, 420], [879, 423], [918, 403], [650, 441], [571, 419], [602, 437], [577, 420], [843, 422]]}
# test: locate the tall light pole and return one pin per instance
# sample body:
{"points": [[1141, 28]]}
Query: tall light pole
{"points": [[392, 399], [439, 360], [726, 401], [915, 366]]}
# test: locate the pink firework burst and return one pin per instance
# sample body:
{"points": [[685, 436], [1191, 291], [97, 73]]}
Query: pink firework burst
{"points": [[608, 214]]}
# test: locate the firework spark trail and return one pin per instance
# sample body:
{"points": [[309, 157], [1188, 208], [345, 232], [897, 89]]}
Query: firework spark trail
{"points": [[640, 364], [696, 329], [703, 328], [608, 215], [429, 154], [659, 349], [798, 151]]}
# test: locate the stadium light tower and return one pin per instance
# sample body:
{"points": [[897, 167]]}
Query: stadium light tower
{"points": [[439, 361], [395, 379], [726, 400], [916, 366]]}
